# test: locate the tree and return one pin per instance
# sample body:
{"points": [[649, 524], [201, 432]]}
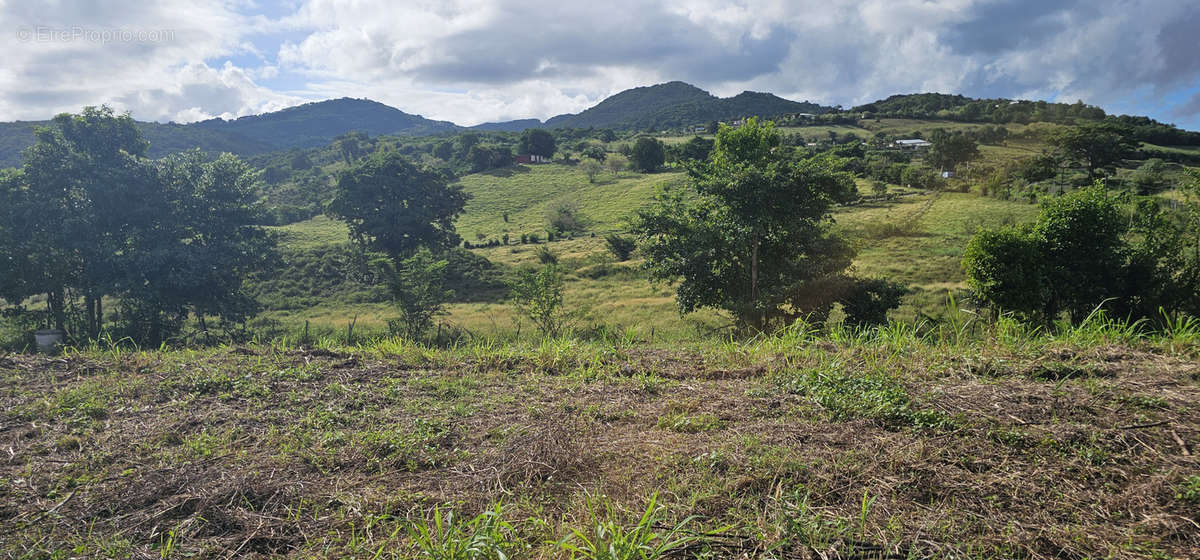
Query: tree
{"points": [[1097, 146], [466, 141], [208, 247], [417, 286], [696, 149], [394, 207], [538, 295], [615, 163], [1151, 177], [753, 235], [648, 154], [538, 142], [949, 150], [564, 217], [1071, 259], [351, 145], [620, 247], [596, 153], [408, 214], [444, 150], [98, 220], [591, 168]]}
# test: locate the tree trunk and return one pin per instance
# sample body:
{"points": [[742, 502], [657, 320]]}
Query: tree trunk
{"points": [[54, 301], [758, 318], [91, 307]]}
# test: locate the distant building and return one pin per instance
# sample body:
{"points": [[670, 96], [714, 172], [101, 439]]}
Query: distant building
{"points": [[698, 129], [532, 158], [912, 144]]}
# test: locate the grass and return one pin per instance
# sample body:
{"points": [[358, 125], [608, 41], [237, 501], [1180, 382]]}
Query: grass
{"points": [[526, 193], [979, 441]]}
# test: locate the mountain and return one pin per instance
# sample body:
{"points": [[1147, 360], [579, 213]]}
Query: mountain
{"points": [[509, 126], [303, 126], [677, 104], [669, 105], [315, 124]]}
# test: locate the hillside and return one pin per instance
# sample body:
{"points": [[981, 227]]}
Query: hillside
{"points": [[676, 104], [314, 124], [303, 126]]}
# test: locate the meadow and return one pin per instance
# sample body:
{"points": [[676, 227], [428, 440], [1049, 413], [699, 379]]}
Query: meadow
{"points": [[916, 239], [641, 434]]}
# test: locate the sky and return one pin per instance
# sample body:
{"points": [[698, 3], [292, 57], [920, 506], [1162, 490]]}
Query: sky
{"points": [[473, 61]]}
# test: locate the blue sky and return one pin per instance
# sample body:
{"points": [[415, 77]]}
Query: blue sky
{"points": [[471, 61]]}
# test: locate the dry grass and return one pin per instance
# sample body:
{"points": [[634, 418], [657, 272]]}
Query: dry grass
{"points": [[982, 453]]}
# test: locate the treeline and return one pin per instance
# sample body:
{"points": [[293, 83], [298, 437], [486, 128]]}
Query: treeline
{"points": [[88, 219], [1001, 111]]}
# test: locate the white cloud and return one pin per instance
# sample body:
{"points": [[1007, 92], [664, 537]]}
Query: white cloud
{"points": [[471, 61]]}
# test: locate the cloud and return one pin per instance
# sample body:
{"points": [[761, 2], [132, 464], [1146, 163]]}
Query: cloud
{"points": [[149, 58], [471, 61]]}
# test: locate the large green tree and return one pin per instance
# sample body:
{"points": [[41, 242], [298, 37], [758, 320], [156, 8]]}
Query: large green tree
{"points": [[1098, 147], [95, 219], [394, 207], [752, 233], [949, 150], [648, 154], [1087, 250], [538, 142], [406, 213]]}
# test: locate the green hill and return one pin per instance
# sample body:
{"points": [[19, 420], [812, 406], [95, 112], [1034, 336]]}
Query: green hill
{"points": [[677, 104], [304, 126], [315, 124]]}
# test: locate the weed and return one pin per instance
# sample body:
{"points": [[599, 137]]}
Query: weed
{"points": [[1189, 490], [445, 537], [605, 538]]}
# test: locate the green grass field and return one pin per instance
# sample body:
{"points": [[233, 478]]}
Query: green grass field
{"points": [[528, 193], [925, 256]]}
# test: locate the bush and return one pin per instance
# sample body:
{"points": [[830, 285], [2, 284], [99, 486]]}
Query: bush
{"points": [[565, 216], [868, 301], [538, 295], [1082, 253]]}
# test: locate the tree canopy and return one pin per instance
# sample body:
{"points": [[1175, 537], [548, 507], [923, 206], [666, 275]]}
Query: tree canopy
{"points": [[648, 154], [92, 218], [395, 207], [1098, 147], [752, 237], [538, 142], [1085, 251]]}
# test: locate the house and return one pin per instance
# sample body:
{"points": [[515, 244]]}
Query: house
{"points": [[532, 158], [912, 144], [698, 129]]}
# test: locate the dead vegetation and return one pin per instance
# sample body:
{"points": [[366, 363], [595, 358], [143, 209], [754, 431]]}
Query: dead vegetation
{"points": [[824, 452]]}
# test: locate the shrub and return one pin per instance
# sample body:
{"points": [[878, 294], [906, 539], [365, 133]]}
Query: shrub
{"points": [[538, 295], [565, 216]]}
